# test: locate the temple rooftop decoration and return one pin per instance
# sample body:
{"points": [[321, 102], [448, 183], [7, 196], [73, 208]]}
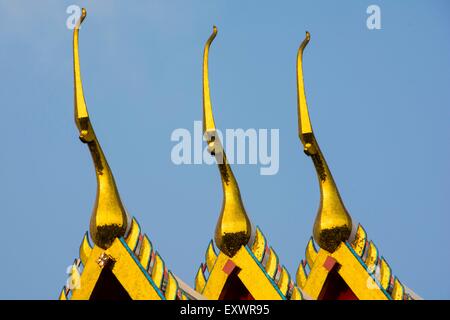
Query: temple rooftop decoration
{"points": [[245, 267], [347, 265], [122, 263]]}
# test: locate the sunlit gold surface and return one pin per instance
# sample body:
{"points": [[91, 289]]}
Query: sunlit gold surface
{"points": [[133, 235], [283, 283], [256, 266], [301, 275], [352, 271], [134, 280], [145, 252], [62, 295], [233, 228], [85, 249], [142, 274], [259, 245], [372, 257], [172, 287], [385, 274], [272, 263], [200, 280], [368, 276], [398, 291], [310, 253], [296, 294], [158, 270], [251, 275], [333, 224], [210, 256], [357, 262], [259, 270], [360, 241], [109, 219]]}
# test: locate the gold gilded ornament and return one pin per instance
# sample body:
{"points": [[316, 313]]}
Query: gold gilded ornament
{"points": [[333, 224], [109, 218]]}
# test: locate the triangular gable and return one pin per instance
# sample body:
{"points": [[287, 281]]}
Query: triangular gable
{"points": [[257, 268], [139, 270], [358, 264]]}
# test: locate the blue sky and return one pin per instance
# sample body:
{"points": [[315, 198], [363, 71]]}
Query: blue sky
{"points": [[379, 103]]}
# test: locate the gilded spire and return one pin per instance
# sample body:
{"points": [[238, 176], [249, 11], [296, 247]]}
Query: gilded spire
{"points": [[109, 218], [333, 224], [233, 228]]}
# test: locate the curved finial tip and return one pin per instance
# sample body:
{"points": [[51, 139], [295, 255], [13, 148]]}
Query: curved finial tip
{"points": [[81, 19], [305, 41], [333, 223], [210, 40], [213, 34]]}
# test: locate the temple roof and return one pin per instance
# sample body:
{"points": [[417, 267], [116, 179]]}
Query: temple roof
{"points": [[122, 263], [347, 266], [340, 262], [246, 267]]}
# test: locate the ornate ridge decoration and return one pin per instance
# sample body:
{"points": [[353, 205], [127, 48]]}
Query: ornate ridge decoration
{"points": [[140, 258], [376, 278], [238, 260], [120, 248], [109, 218], [355, 260], [239, 263], [267, 260], [233, 228], [333, 224]]}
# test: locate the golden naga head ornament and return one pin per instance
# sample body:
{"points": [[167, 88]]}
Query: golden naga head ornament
{"points": [[109, 218], [233, 228], [333, 224]]}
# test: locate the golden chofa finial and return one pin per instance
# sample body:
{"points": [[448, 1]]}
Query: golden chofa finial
{"points": [[233, 228], [109, 218], [333, 223]]}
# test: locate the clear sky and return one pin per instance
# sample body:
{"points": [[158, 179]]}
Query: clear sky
{"points": [[379, 103]]}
